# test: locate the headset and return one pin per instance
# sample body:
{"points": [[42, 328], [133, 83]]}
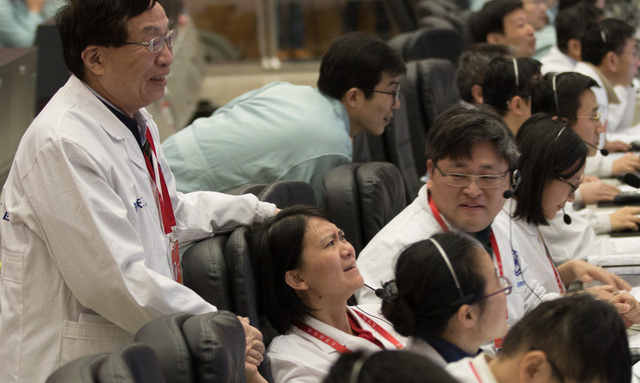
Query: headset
{"points": [[603, 151]]}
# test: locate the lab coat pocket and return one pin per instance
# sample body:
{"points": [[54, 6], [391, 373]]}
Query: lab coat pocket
{"points": [[80, 339], [12, 264]]}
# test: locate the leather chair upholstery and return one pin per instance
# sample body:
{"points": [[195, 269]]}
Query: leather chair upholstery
{"points": [[131, 363], [429, 88], [403, 13], [288, 193], [197, 348], [362, 198], [204, 270], [217, 345], [164, 336], [81, 370], [438, 42]]}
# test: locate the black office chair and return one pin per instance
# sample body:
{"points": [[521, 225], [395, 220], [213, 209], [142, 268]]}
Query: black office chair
{"points": [[402, 13], [429, 88], [362, 198], [131, 363], [435, 42], [197, 348]]}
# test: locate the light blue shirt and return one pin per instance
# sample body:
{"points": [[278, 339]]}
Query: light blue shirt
{"points": [[545, 40], [280, 132], [18, 25]]}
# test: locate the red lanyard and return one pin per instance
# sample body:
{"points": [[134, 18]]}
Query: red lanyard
{"points": [[494, 246], [553, 265], [473, 369], [342, 348], [164, 200], [445, 228]]}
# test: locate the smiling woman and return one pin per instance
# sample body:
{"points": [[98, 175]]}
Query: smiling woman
{"points": [[307, 271]]}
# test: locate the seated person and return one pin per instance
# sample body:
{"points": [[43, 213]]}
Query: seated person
{"points": [[504, 22], [552, 164], [291, 132], [506, 88], [574, 102], [386, 366], [570, 24], [610, 57], [573, 339], [536, 11], [472, 64], [307, 271], [471, 159], [447, 298], [19, 20]]}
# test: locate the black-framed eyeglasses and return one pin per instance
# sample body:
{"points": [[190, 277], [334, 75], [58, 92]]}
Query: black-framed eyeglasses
{"points": [[506, 287], [574, 187], [395, 93], [156, 44], [484, 181]]}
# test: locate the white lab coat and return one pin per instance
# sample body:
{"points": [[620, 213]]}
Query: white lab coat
{"points": [[579, 241], [472, 370], [84, 255], [422, 347], [377, 260], [300, 357], [531, 248]]}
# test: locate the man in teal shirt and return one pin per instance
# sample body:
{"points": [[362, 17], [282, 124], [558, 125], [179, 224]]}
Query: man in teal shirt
{"points": [[286, 132]]}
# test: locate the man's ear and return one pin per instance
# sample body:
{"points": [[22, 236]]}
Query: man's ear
{"points": [[574, 49], [352, 97], [610, 61], [295, 281], [495, 38], [476, 93], [93, 57], [534, 367], [430, 169]]}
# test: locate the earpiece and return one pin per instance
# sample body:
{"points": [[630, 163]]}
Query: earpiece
{"points": [[515, 181]]}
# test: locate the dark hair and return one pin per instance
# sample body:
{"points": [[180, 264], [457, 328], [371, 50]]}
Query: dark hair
{"points": [[427, 296], [609, 35], [564, 4], [569, 87], [457, 129], [386, 366], [490, 19], [548, 149], [500, 84], [583, 336], [94, 22], [571, 23], [357, 60], [473, 63], [276, 247]]}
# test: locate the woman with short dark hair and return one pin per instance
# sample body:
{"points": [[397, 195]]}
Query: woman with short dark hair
{"points": [[307, 271]]}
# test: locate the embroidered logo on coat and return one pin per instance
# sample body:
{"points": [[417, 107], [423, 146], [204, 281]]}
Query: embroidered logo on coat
{"points": [[139, 204]]}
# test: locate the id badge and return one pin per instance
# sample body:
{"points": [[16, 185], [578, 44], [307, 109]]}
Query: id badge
{"points": [[174, 249]]}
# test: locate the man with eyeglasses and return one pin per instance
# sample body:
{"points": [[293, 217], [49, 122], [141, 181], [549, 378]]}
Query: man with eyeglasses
{"points": [[471, 164], [285, 132], [610, 56], [91, 220]]}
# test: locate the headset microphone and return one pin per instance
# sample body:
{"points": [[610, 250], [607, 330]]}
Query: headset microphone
{"points": [[566, 218], [380, 293], [515, 182], [603, 151]]}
